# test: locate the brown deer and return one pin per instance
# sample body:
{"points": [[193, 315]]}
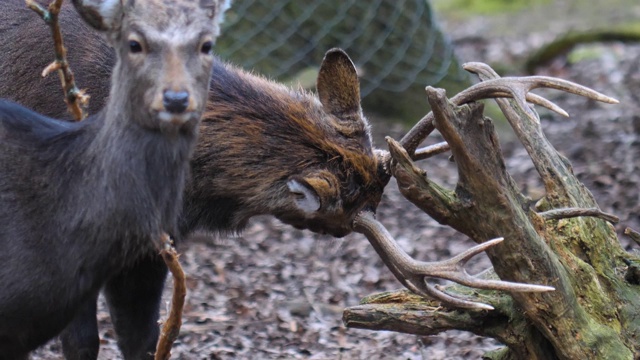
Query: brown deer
{"points": [[80, 202], [263, 149]]}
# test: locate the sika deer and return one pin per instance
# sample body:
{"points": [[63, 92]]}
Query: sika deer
{"points": [[263, 149], [80, 202]]}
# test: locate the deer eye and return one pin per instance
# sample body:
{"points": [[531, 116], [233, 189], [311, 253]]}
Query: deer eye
{"points": [[206, 48], [135, 47]]}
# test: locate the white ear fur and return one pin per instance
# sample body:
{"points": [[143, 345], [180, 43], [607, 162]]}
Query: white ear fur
{"points": [[218, 18], [109, 10], [101, 14], [306, 199], [222, 8]]}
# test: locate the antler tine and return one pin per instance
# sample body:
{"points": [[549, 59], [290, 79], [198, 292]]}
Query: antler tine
{"points": [[431, 150], [384, 156], [412, 274], [540, 101], [493, 86], [528, 83], [462, 277]]}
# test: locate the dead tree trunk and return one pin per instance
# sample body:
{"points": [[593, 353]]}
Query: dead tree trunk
{"points": [[563, 240]]}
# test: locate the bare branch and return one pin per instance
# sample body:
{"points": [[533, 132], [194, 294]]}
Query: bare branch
{"points": [[565, 213], [171, 327], [76, 99]]}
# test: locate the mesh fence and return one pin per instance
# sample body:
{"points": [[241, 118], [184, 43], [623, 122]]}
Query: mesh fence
{"points": [[394, 43]]}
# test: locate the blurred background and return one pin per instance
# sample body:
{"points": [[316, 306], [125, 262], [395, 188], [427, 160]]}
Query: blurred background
{"points": [[398, 46], [402, 46]]}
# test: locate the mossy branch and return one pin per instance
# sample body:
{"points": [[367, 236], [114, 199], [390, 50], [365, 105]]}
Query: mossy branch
{"points": [[573, 250]]}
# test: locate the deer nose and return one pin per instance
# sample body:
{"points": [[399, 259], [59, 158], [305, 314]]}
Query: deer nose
{"points": [[175, 102]]}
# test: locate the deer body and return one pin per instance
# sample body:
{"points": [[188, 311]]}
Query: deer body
{"points": [[263, 149], [66, 252], [82, 201]]}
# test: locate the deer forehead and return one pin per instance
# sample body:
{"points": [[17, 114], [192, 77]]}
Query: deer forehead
{"points": [[174, 35], [172, 18]]}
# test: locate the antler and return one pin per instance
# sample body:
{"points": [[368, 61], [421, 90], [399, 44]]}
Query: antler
{"points": [[493, 86], [412, 273]]}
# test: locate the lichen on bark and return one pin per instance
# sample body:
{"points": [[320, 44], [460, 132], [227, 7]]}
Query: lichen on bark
{"points": [[594, 311]]}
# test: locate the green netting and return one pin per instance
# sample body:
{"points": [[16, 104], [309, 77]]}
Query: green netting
{"points": [[394, 43]]}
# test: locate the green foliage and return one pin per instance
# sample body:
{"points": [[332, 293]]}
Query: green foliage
{"points": [[629, 32], [481, 7], [397, 46]]}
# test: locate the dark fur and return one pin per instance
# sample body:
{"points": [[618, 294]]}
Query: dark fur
{"points": [[255, 137], [71, 216], [80, 202]]}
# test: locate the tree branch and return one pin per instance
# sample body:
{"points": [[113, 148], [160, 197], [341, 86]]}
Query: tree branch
{"points": [[414, 184], [171, 327], [405, 312], [76, 99]]}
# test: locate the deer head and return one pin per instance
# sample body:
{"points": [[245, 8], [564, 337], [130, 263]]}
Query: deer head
{"points": [[164, 52], [326, 197], [267, 149]]}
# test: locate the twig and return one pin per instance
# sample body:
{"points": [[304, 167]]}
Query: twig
{"points": [[77, 100], [564, 213], [634, 235], [171, 327]]}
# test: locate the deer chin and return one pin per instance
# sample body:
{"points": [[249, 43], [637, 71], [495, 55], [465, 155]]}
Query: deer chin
{"points": [[177, 119], [322, 227], [177, 123]]}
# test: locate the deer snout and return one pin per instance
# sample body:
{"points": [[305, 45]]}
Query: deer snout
{"points": [[175, 102]]}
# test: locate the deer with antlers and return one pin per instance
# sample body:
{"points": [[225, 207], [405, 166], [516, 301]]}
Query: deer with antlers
{"points": [[263, 149]]}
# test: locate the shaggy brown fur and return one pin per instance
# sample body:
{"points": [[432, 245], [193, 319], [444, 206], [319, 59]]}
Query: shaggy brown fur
{"points": [[263, 149]]}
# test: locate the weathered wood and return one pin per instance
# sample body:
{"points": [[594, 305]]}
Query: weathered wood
{"points": [[594, 312]]}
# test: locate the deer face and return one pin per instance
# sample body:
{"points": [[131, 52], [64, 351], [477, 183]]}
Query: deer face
{"points": [[327, 194], [164, 51]]}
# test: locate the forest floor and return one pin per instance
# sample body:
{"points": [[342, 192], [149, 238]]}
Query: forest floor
{"points": [[278, 293]]}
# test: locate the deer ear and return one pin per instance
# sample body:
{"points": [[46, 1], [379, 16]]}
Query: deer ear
{"points": [[311, 192], [103, 15], [305, 197], [338, 86], [217, 9]]}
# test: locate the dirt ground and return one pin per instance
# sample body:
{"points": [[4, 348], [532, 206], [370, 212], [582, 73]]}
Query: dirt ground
{"points": [[278, 293]]}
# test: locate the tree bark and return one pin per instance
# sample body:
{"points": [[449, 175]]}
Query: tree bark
{"points": [[594, 313]]}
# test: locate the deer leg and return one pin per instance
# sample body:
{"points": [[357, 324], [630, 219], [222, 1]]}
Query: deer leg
{"points": [[134, 302], [80, 339]]}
